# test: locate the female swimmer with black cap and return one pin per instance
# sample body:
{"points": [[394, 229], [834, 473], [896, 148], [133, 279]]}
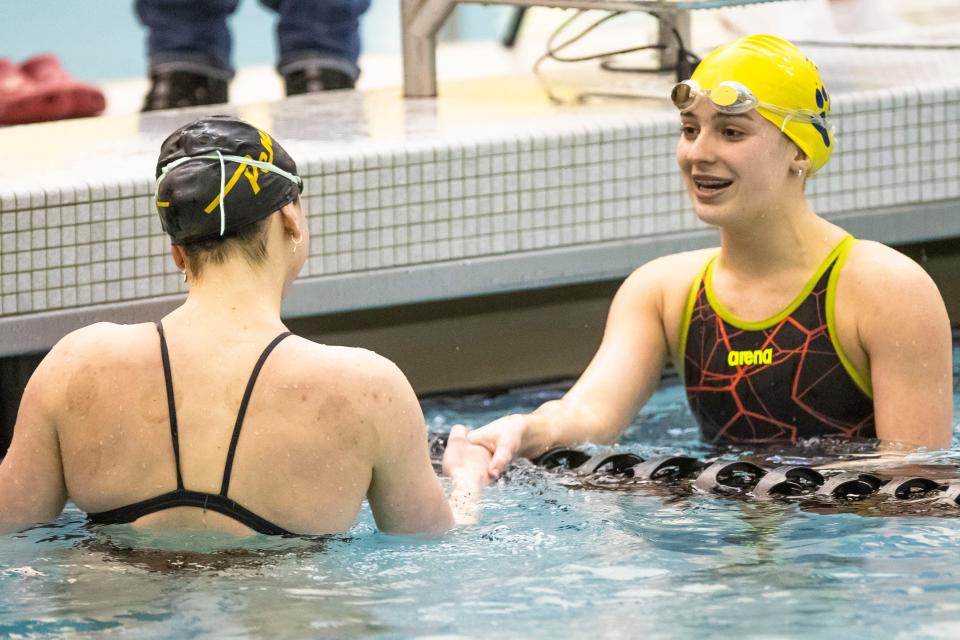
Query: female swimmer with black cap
{"points": [[217, 418], [789, 329]]}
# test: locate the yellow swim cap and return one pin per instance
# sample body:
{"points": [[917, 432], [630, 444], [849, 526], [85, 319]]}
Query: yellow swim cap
{"points": [[778, 73]]}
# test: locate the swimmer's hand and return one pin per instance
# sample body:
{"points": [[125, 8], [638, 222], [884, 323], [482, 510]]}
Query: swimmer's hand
{"points": [[465, 463], [467, 466], [503, 438]]}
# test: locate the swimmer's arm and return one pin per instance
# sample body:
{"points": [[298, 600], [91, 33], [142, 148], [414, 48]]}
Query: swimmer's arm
{"points": [[623, 374], [621, 377], [32, 486], [907, 338], [404, 494]]}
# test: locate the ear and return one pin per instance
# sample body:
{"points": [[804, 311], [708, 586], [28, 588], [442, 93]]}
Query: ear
{"points": [[179, 258], [801, 162], [292, 220]]}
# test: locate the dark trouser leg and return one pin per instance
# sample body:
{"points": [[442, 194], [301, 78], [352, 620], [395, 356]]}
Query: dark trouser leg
{"points": [[319, 35], [188, 46]]}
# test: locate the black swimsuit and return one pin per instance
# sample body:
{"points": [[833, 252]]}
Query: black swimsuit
{"points": [[182, 497], [783, 378]]}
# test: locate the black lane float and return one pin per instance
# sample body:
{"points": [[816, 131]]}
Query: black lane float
{"points": [[736, 478]]}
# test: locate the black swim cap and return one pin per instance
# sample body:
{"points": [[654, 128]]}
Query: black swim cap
{"points": [[214, 155]]}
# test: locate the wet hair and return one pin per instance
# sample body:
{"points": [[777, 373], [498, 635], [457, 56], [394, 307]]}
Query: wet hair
{"points": [[248, 242]]}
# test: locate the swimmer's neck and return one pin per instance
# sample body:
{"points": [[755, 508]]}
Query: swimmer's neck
{"points": [[795, 239], [233, 293]]}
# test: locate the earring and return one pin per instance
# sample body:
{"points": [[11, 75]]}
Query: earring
{"points": [[184, 272], [799, 173], [296, 243]]}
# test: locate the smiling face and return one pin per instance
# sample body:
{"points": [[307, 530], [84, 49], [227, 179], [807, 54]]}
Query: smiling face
{"points": [[736, 168]]}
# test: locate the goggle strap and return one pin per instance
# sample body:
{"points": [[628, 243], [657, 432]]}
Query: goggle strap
{"points": [[266, 166], [223, 196], [787, 119]]}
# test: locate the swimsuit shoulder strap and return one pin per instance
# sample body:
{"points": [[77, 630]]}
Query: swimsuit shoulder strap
{"points": [[859, 377], [690, 305], [171, 404], [243, 410]]}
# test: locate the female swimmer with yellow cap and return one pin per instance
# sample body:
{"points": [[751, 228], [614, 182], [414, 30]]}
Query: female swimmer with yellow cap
{"points": [[788, 330], [217, 418]]}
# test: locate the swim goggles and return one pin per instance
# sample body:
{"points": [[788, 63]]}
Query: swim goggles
{"points": [[733, 98], [265, 166]]}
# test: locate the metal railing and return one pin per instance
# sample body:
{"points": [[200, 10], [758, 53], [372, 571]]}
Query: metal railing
{"points": [[422, 19]]}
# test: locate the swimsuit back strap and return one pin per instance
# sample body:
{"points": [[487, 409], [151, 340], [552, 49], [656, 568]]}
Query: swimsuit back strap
{"points": [[171, 404], [186, 498], [243, 411]]}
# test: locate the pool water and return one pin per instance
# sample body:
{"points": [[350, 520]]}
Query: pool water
{"points": [[547, 561]]}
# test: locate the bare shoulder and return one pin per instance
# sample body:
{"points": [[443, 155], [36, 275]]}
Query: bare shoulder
{"points": [[359, 386], [889, 297], [668, 277], [82, 355], [101, 344], [670, 269], [366, 384], [351, 365], [875, 272]]}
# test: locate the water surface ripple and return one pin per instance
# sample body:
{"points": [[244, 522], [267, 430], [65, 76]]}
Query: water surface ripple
{"points": [[548, 560]]}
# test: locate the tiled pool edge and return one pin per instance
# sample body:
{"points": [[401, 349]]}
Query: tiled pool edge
{"points": [[516, 205], [442, 280]]}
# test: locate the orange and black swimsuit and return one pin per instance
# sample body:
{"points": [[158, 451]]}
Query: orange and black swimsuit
{"points": [[776, 380]]}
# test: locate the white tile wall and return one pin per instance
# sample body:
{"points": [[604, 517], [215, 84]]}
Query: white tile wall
{"points": [[572, 182]]}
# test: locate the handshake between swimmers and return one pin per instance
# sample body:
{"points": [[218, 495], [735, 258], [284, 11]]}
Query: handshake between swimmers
{"points": [[217, 418]]}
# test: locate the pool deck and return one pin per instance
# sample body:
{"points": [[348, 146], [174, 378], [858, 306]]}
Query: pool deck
{"points": [[487, 189]]}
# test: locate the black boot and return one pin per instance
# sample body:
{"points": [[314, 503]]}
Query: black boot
{"points": [[316, 78], [174, 89]]}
